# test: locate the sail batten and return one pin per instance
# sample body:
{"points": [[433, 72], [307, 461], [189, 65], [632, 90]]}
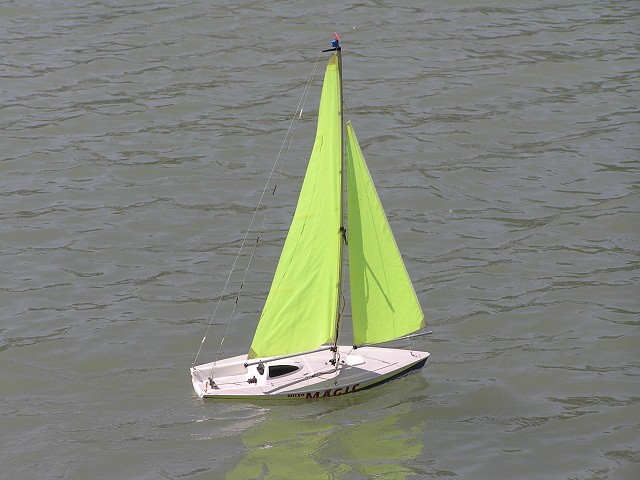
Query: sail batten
{"points": [[383, 301], [301, 308]]}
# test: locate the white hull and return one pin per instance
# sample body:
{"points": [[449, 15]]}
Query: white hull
{"points": [[308, 375]]}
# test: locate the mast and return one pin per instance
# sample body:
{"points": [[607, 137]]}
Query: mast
{"points": [[343, 227], [335, 44]]}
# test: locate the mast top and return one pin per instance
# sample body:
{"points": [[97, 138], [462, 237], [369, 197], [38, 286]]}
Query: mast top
{"points": [[335, 44]]}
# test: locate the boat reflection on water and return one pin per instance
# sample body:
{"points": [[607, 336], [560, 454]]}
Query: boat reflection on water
{"points": [[339, 438]]}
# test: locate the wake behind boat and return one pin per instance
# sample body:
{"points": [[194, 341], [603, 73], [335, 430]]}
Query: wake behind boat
{"points": [[295, 351]]}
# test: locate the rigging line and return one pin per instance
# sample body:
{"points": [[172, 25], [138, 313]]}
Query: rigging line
{"points": [[297, 114], [286, 142], [290, 134]]}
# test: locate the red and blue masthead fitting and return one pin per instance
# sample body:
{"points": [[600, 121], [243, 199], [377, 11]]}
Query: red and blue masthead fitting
{"points": [[335, 43]]}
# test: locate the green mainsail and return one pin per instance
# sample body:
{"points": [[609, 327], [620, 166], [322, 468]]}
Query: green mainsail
{"points": [[301, 309], [383, 302]]}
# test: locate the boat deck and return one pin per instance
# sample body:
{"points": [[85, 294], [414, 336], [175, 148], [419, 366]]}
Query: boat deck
{"points": [[309, 375]]}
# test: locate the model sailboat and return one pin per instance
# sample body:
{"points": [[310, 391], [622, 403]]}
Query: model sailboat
{"points": [[295, 351]]}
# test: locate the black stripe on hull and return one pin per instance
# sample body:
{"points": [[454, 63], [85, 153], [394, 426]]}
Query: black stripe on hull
{"points": [[415, 366]]}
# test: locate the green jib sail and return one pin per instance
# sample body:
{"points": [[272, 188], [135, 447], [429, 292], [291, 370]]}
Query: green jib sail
{"points": [[383, 302], [301, 308]]}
